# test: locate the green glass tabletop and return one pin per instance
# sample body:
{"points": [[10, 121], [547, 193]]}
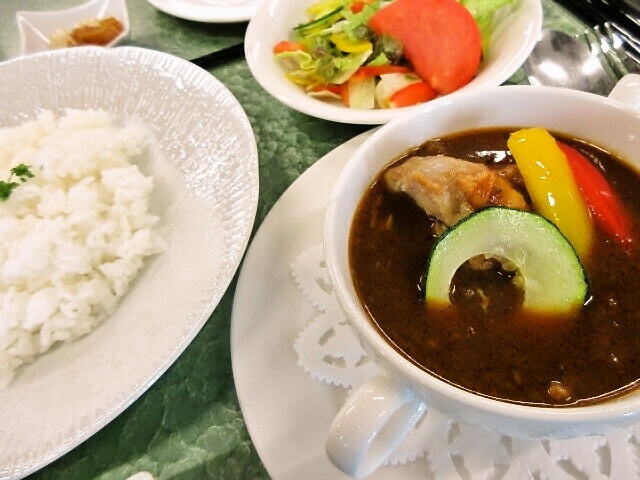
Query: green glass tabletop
{"points": [[189, 425]]}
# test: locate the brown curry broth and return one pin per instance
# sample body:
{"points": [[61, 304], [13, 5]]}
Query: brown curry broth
{"points": [[506, 354]]}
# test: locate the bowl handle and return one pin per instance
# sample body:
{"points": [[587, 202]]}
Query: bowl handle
{"points": [[627, 90], [372, 423]]}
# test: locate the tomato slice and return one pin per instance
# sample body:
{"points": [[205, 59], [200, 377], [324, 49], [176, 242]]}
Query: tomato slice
{"points": [[440, 38]]}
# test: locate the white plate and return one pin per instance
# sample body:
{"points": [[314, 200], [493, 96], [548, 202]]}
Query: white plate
{"points": [[512, 42], [206, 177], [212, 11], [36, 28], [287, 412]]}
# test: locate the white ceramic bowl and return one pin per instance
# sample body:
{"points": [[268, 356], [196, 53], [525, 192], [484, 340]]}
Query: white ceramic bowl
{"points": [[205, 170], [512, 42], [37, 27], [612, 124]]}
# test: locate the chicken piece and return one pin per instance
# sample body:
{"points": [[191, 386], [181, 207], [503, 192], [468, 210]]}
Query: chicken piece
{"points": [[449, 189], [510, 172]]}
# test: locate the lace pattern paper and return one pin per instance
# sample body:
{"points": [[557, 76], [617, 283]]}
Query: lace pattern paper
{"points": [[329, 351]]}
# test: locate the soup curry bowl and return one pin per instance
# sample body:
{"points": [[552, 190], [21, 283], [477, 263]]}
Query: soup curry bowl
{"points": [[554, 275]]}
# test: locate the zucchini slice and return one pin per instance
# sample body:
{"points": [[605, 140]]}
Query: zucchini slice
{"points": [[319, 23], [548, 267]]}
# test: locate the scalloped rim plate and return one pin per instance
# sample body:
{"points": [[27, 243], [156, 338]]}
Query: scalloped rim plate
{"points": [[512, 42], [205, 169], [37, 27], [211, 11], [287, 412]]}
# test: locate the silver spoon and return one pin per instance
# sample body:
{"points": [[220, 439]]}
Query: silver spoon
{"points": [[561, 60]]}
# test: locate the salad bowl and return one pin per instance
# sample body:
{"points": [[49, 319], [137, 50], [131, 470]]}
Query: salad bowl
{"points": [[514, 34]]}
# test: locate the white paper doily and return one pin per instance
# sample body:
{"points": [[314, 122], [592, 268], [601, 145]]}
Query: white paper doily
{"points": [[329, 351]]}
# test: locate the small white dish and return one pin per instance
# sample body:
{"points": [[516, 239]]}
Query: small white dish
{"points": [[38, 27], [512, 42], [209, 11]]}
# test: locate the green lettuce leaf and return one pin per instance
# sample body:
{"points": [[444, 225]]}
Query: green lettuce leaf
{"points": [[347, 65], [487, 14]]}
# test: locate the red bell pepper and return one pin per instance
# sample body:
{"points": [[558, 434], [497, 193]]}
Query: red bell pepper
{"points": [[413, 94], [344, 93], [335, 89], [357, 7], [601, 199], [286, 46], [377, 70]]}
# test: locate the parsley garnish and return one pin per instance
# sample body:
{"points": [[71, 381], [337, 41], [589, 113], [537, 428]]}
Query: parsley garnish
{"points": [[21, 172]]}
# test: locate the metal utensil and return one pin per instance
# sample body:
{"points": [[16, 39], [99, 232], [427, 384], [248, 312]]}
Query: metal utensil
{"points": [[558, 59], [615, 23], [622, 52], [625, 14]]}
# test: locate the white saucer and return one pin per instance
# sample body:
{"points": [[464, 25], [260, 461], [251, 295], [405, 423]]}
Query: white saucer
{"points": [[288, 413], [210, 11]]}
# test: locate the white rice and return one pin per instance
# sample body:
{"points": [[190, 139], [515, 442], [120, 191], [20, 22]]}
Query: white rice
{"points": [[73, 237]]}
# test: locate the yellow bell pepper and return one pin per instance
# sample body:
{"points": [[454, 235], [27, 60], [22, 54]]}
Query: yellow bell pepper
{"points": [[551, 185], [320, 9], [347, 44]]}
